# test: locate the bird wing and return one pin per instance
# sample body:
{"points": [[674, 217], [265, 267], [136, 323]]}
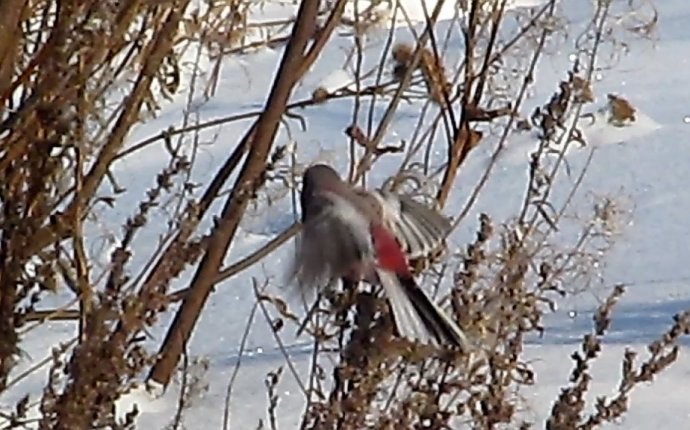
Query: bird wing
{"points": [[334, 237], [419, 229]]}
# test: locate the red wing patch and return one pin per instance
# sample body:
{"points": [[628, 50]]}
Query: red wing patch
{"points": [[389, 254]]}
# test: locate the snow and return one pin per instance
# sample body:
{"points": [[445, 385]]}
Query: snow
{"points": [[646, 162]]}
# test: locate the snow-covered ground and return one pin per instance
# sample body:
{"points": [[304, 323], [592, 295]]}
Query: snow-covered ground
{"points": [[646, 162]]}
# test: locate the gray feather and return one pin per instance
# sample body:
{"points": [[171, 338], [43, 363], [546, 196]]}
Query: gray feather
{"points": [[419, 229], [417, 317], [407, 319], [334, 237]]}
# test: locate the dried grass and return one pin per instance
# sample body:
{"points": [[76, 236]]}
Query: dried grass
{"points": [[75, 77]]}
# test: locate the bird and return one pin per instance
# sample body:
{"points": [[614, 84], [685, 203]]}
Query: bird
{"points": [[355, 235]]}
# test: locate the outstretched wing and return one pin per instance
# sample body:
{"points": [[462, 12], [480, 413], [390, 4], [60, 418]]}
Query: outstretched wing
{"points": [[419, 229]]}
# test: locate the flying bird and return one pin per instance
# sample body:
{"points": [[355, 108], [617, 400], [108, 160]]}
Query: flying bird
{"points": [[357, 235]]}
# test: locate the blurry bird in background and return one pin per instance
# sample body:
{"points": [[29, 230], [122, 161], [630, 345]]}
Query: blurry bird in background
{"points": [[357, 235]]}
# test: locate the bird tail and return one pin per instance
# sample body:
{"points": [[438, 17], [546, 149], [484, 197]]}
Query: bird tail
{"points": [[416, 316]]}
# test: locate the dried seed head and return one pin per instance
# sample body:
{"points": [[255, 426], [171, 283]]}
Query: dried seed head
{"points": [[320, 95], [582, 90], [620, 110], [403, 53]]}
